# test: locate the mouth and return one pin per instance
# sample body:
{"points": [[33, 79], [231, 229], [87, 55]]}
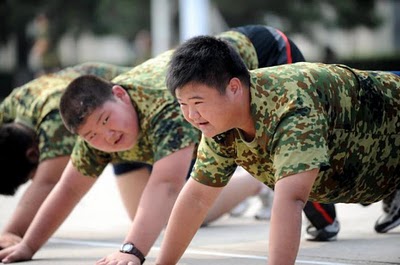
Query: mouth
{"points": [[201, 124], [118, 140], [198, 123]]}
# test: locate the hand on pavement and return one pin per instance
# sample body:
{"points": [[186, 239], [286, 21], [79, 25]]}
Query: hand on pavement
{"points": [[19, 252], [8, 240], [120, 259]]}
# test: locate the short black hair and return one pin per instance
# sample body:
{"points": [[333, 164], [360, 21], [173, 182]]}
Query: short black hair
{"points": [[81, 97], [15, 140], [205, 60]]}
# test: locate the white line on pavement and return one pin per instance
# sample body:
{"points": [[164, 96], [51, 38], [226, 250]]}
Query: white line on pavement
{"points": [[191, 251]]}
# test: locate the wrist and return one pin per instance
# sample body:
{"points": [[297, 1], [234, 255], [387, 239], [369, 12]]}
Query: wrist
{"points": [[130, 248]]}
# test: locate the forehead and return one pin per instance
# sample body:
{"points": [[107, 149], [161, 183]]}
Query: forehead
{"points": [[195, 91]]}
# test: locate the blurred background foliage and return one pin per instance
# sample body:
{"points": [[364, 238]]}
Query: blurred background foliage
{"points": [[299, 15], [127, 17]]}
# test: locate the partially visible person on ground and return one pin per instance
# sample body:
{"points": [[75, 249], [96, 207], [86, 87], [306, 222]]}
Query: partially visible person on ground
{"points": [[310, 131], [35, 146]]}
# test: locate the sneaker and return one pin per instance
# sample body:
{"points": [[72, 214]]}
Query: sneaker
{"points": [[240, 209], [266, 197], [391, 215], [264, 213], [327, 233]]}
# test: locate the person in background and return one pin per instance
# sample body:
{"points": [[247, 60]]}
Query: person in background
{"points": [[44, 49], [310, 131]]}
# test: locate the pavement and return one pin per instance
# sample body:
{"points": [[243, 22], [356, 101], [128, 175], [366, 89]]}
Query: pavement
{"points": [[98, 225]]}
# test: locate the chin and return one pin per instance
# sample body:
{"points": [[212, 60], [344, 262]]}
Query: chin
{"points": [[209, 134]]}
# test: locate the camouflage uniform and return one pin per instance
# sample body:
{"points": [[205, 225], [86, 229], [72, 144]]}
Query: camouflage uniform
{"points": [[343, 121], [163, 129], [243, 47], [35, 104]]}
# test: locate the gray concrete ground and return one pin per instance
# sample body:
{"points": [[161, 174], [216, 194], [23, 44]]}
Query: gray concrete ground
{"points": [[99, 223]]}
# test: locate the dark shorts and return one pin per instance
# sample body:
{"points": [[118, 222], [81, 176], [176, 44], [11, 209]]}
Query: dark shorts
{"points": [[271, 45], [123, 168]]}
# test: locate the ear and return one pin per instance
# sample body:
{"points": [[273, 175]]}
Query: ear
{"points": [[120, 93], [235, 87], [33, 154]]}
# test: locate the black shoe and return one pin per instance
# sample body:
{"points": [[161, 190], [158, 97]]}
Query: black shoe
{"points": [[391, 215], [327, 233]]}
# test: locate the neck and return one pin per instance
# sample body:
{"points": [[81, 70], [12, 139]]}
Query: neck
{"points": [[246, 124]]}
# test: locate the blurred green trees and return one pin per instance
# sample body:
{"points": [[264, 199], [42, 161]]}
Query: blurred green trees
{"points": [[297, 16], [127, 17]]}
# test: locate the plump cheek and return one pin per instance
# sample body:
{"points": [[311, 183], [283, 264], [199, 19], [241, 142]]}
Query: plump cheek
{"points": [[185, 114], [98, 145]]}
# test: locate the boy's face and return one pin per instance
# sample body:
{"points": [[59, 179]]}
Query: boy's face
{"points": [[114, 126], [206, 109]]}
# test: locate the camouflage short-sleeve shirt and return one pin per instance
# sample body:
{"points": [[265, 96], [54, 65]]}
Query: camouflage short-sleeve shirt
{"points": [[36, 105], [307, 115], [163, 129]]}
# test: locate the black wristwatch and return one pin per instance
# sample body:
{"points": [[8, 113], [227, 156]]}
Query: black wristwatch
{"points": [[130, 248]]}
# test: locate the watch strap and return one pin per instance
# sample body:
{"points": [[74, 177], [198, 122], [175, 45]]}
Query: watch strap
{"points": [[134, 251]]}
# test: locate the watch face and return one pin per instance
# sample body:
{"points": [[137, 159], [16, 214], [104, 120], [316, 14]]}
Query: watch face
{"points": [[127, 247]]}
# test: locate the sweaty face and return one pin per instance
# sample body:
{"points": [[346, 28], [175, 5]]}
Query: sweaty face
{"points": [[206, 109], [112, 127]]}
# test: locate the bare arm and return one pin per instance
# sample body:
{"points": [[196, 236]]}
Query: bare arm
{"points": [[189, 212], [166, 181], [291, 194], [54, 210], [46, 177]]}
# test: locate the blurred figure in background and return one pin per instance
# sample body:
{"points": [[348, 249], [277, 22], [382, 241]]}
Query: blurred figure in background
{"points": [[44, 51], [142, 46], [329, 55]]}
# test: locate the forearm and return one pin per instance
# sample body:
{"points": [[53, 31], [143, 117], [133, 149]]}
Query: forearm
{"points": [[57, 206], [27, 207], [187, 215], [46, 177], [49, 217], [285, 231], [290, 196], [152, 215]]}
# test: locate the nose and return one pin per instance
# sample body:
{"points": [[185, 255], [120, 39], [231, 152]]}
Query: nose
{"points": [[110, 136], [193, 113]]}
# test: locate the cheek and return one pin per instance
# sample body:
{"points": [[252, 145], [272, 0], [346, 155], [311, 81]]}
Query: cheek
{"points": [[96, 143], [185, 113]]}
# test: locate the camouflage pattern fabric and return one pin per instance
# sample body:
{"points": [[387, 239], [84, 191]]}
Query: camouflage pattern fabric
{"points": [[35, 104], [243, 46], [163, 129], [343, 121]]}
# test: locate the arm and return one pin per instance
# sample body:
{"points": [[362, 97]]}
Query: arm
{"points": [[60, 202], [46, 177], [189, 212], [290, 195], [166, 181]]}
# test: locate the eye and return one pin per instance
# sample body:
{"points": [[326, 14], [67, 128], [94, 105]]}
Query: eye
{"points": [[105, 120], [92, 136]]}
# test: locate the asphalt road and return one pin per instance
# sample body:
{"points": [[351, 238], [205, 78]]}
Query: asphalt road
{"points": [[99, 223]]}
